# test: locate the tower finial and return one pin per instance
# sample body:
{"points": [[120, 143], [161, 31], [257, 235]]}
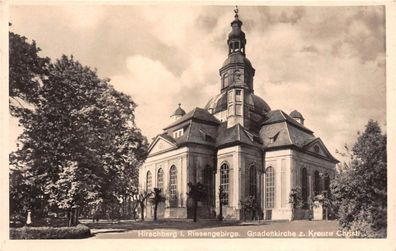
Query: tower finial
{"points": [[236, 11]]}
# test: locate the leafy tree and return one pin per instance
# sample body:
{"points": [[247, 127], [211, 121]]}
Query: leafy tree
{"points": [[156, 199], [222, 195], [325, 199], [141, 198], [359, 190], [197, 193], [295, 200], [73, 189], [249, 205], [26, 71], [81, 137]]}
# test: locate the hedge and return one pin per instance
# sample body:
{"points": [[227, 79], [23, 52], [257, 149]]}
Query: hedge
{"points": [[78, 232]]}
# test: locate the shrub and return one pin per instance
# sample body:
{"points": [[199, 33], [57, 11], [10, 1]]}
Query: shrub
{"points": [[80, 231], [360, 189]]}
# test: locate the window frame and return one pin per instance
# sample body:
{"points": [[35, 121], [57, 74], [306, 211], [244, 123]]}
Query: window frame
{"points": [[225, 182], [173, 185], [270, 187], [160, 179], [149, 181]]}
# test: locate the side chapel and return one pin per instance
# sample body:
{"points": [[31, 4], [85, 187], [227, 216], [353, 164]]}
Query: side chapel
{"points": [[239, 143]]}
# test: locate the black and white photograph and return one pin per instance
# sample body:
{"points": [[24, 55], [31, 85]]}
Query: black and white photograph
{"points": [[189, 121]]}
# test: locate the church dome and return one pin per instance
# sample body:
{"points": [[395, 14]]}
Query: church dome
{"points": [[237, 58], [296, 115], [255, 103], [179, 111], [258, 104], [218, 103]]}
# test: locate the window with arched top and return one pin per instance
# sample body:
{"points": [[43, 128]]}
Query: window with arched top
{"points": [[270, 188], [224, 182], [326, 182], [173, 186], [253, 181], [304, 186], [149, 181], [316, 183], [160, 179], [208, 177]]}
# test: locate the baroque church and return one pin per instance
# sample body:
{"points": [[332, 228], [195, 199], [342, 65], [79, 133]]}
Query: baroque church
{"points": [[239, 144]]}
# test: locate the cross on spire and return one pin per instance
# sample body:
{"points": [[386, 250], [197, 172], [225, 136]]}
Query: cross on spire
{"points": [[236, 11]]}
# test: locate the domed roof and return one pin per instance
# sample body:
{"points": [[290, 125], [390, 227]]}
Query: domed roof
{"points": [[255, 103], [296, 114], [258, 104], [237, 58], [179, 111], [218, 103]]}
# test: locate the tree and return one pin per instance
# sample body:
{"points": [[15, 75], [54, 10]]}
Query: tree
{"points": [[81, 137], [74, 187], [156, 199], [222, 196], [249, 204], [141, 198], [295, 200], [197, 193], [325, 199], [359, 190], [26, 72]]}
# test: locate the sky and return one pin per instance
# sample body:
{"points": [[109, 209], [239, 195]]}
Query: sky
{"points": [[326, 62]]}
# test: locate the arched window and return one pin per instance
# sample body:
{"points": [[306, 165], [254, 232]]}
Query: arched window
{"points": [[252, 181], [148, 181], [173, 186], [316, 183], [208, 182], [160, 179], [326, 182], [304, 186], [269, 187], [224, 182]]}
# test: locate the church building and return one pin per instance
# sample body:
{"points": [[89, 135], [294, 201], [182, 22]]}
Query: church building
{"points": [[239, 144]]}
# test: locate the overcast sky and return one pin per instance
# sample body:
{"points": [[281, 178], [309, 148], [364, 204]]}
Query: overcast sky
{"points": [[326, 62]]}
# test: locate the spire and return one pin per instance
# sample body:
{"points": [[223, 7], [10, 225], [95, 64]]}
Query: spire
{"points": [[236, 16], [236, 38], [236, 11]]}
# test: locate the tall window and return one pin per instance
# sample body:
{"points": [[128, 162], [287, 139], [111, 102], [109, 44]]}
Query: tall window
{"points": [[316, 183], [283, 183], [160, 179], [304, 186], [208, 181], [148, 181], [326, 182], [173, 186], [253, 181], [269, 187], [224, 182]]}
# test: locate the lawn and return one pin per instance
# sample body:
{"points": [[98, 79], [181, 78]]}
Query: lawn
{"points": [[215, 229]]}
